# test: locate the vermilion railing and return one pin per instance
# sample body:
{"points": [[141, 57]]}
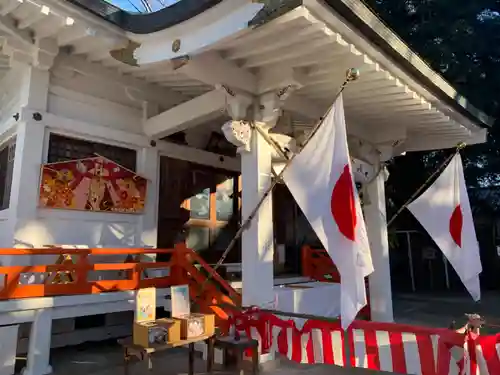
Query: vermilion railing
{"points": [[209, 291], [318, 265], [79, 270], [185, 267]]}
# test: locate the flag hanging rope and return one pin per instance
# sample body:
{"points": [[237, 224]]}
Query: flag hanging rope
{"points": [[351, 75], [441, 167]]}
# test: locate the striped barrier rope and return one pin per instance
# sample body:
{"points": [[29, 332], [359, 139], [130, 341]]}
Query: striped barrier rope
{"points": [[398, 348]]}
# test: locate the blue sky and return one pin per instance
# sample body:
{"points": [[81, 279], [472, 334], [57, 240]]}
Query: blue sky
{"points": [[133, 5]]}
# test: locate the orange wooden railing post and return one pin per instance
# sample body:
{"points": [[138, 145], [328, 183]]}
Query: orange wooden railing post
{"points": [[212, 292], [177, 270]]}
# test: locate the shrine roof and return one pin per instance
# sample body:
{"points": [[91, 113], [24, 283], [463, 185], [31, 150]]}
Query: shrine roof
{"points": [[354, 12], [183, 53]]}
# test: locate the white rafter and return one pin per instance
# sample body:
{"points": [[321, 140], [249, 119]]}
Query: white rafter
{"points": [[188, 114]]}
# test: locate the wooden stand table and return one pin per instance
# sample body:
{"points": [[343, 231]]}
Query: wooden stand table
{"points": [[142, 353], [238, 347]]}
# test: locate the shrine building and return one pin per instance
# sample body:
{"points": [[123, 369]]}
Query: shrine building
{"points": [[144, 97]]}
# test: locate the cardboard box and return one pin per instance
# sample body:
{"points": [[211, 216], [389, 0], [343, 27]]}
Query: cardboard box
{"points": [[158, 332], [195, 325]]}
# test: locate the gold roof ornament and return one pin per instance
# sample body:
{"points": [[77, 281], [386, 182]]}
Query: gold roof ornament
{"points": [[176, 45], [352, 74]]}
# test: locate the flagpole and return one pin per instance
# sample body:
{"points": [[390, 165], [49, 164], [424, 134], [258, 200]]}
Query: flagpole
{"points": [[459, 146], [351, 75]]}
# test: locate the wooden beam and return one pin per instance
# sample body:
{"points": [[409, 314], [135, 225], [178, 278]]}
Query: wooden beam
{"points": [[8, 26], [304, 106], [9, 6], [150, 92], [300, 34], [417, 142], [211, 69], [188, 114], [276, 78], [36, 15], [289, 55]]}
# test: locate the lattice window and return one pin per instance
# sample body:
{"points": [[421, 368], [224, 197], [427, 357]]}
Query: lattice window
{"points": [[63, 148], [7, 151]]}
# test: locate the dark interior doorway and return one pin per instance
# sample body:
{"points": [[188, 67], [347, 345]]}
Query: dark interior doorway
{"points": [[198, 205]]}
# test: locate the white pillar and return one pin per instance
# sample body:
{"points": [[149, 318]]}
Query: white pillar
{"points": [[30, 140], [376, 225], [257, 250], [39, 344], [148, 164]]}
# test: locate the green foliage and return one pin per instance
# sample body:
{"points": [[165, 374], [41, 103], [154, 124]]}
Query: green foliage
{"points": [[460, 40]]}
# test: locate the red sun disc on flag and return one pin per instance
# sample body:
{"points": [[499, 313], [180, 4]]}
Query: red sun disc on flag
{"points": [[456, 224], [343, 205]]}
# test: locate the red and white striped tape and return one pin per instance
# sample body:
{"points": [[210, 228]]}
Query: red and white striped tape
{"points": [[378, 346]]}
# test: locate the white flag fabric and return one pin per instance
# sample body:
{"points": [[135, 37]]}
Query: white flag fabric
{"points": [[444, 211], [320, 180]]}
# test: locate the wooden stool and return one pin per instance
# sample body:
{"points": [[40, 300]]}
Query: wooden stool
{"points": [[239, 347]]}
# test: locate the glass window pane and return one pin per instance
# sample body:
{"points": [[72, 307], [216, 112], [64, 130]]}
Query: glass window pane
{"points": [[141, 6], [200, 205], [224, 200], [198, 238]]}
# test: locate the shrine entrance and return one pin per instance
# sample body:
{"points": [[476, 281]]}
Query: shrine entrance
{"points": [[201, 206], [198, 205]]}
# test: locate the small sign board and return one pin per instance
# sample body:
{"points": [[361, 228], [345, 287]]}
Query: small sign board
{"points": [[145, 305], [180, 301]]}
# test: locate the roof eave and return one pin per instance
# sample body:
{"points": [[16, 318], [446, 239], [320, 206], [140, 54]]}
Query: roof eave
{"points": [[367, 23]]}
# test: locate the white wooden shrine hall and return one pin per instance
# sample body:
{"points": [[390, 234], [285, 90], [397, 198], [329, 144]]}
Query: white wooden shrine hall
{"points": [[63, 75]]}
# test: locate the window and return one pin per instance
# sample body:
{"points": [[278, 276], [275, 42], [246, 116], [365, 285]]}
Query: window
{"points": [[7, 151], [63, 148], [143, 6], [212, 205]]}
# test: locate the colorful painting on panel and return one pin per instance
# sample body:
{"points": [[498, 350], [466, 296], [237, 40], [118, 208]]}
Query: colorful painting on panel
{"points": [[145, 305], [92, 184], [179, 295]]}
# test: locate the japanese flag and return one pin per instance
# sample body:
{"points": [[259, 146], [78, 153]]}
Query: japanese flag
{"points": [[444, 211], [320, 180]]}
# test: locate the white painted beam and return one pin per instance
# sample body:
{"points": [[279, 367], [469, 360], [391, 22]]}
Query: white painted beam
{"points": [[35, 16], [50, 25], [429, 142], [276, 26], [289, 55], [150, 92], [211, 69], [391, 117], [276, 78], [389, 106], [298, 33], [188, 114], [10, 6], [70, 35], [8, 26], [196, 155], [344, 58], [308, 108]]}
